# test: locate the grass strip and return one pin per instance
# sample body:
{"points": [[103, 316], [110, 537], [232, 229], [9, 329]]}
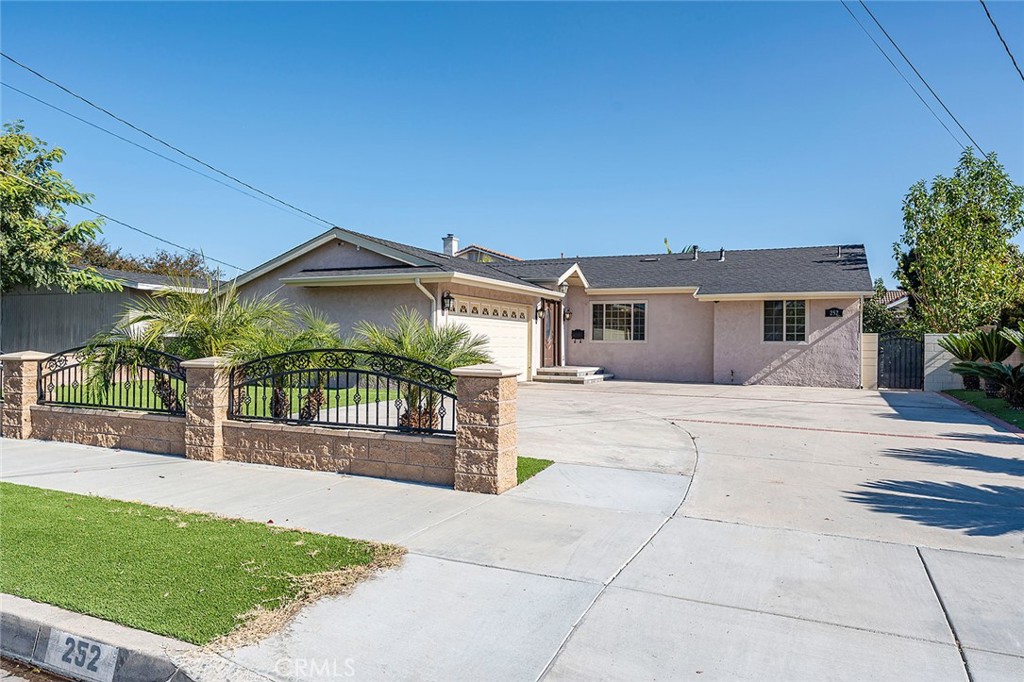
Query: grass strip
{"points": [[528, 467], [997, 407], [192, 576]]}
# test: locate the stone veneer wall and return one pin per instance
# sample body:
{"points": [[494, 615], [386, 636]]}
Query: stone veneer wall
{"points": [[123, 429], [425, 459]]}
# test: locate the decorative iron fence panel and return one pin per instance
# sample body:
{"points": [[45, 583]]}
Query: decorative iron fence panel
{"points": [[900, 360], [113, 377], [345, 387]]}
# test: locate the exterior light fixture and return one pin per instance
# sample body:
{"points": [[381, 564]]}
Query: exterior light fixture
{"points": [[539, 313], [448, 302], [567, 314], [564, 287]]}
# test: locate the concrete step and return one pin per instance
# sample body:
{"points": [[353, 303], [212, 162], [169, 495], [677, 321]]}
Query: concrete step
{"points": [[572, 378], [568, 371]]}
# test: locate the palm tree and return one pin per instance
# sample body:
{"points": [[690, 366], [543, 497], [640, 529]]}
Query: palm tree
{"points": [[964, 347], [309, 329], [411, 336], [188, 321]]}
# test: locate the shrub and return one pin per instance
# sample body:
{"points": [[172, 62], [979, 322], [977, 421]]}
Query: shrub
{"points": [[964, 347]]}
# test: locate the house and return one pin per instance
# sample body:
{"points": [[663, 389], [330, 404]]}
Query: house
{"points": [[787, 316], [475, 252], [53, 320], [897, 300]]}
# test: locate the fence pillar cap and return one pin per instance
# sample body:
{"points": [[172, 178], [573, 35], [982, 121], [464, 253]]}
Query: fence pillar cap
{"points": [[201, 363], [25, 355], [487, 371]]}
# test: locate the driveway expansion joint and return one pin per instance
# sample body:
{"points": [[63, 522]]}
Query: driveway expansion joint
{"points": [[945, 614]]}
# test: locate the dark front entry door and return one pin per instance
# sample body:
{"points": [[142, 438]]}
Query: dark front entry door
{"points": [[549, 333], [900, 360]]}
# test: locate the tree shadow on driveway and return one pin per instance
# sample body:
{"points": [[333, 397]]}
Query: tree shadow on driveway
{"points": [[962, 459], [984, 510]]}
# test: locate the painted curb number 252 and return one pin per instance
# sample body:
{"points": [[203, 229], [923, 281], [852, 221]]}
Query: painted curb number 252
{"points": [[80, 657], [79, 651]]}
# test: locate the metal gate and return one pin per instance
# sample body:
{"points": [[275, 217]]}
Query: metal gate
{"points": [[900, 360]]}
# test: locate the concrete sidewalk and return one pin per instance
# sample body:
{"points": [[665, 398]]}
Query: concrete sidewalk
{"points": [[776, 564]]}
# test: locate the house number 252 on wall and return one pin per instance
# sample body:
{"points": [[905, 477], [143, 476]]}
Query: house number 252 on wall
{"points": [[82, 657]]}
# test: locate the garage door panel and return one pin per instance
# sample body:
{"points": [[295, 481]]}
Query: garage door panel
{"points": [[506, 327]]}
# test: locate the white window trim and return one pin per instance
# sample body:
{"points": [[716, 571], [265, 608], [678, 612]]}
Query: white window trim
{"points": [[783, 342], [647, 317]]}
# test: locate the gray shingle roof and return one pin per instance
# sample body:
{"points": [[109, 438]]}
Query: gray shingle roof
{"points": [[801, 269]]}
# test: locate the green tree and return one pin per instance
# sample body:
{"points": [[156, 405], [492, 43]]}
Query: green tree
{"points": [[956, 255], [877, 318], [37, 243], [100, 254]]}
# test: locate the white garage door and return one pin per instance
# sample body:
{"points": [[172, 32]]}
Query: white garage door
{"points": [[505, 325]]}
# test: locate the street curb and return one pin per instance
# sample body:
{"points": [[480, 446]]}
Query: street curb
{"points": [[987, 416], [52, 639]]}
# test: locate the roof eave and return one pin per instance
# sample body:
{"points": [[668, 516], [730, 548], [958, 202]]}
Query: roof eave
{"points": [[412, 278]]}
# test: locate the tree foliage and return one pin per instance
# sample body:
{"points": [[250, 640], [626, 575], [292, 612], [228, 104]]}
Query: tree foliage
{"points": [[956, 255], [37, 243], [879, 319], [100, 254]]}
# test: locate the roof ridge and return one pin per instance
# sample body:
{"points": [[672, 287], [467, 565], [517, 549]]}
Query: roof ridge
{"points": [[572, 259]]}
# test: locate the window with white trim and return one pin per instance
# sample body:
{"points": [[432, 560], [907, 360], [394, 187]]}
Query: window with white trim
{"points": [[619, 321], [785, 321]]}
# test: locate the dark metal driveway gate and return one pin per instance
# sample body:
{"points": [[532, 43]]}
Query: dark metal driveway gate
{"points": [[900, 360]]}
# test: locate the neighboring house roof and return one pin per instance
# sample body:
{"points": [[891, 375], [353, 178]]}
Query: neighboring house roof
{"points": [[143, 281], [824, 269], [892, 298], [484, 249]]}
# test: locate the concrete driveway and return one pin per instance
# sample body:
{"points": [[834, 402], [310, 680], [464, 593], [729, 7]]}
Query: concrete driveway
{"points": [[685, 532]]}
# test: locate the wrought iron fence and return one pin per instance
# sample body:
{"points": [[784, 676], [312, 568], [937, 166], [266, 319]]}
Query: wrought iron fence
{"points": [[113, 377], [345, 387]]}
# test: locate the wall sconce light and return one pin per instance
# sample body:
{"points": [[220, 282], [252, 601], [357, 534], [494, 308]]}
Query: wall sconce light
{"points": [[564, 287], [539, 313], [567, 314], [448, 302]]}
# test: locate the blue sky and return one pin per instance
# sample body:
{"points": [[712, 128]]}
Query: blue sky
{"points": [[531, 128]]}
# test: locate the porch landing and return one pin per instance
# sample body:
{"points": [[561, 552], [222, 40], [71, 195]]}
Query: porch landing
{"points": [[572, 375]]}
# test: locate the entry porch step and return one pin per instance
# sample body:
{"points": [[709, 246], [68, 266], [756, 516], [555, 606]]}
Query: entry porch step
{"points": [[572, 375]]}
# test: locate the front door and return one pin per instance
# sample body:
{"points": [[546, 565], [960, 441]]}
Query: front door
{"points": [[550, 329]]}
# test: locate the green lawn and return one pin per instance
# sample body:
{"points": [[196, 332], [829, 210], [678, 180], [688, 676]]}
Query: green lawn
{"points": [[259, 406], [184, 575], [528, 467], [994, 406], [139, 395]]}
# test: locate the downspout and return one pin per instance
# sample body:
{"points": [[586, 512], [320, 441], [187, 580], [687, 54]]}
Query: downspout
{"points": [[433, 301]]}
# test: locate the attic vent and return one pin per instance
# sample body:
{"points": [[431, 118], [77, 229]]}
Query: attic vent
{"points": [[649, 260]]}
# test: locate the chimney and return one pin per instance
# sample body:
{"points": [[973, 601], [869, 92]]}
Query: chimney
{"points": [[451, 244], [696, 252], [721, 254], [839, 252]]}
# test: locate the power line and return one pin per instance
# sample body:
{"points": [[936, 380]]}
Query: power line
{"points": [[124, 224], [1000, 35], [930, 89], [154, 153], [163, 142], [905, 79]]}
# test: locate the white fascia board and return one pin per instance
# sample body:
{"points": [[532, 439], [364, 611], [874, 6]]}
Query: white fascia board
{"points": [[776, 295], [639, 291], [574, 270], [141, 286], [318, 241], [410, 278]]}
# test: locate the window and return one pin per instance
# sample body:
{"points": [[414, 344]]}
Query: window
{"points": [[785, 320], [620, 321]]}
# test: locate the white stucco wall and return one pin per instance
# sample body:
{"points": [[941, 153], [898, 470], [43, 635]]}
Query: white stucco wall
{"points": [[830, 357], [679, 344]]}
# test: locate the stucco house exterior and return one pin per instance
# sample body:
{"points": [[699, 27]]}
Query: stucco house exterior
{"points": [[788, 316]]}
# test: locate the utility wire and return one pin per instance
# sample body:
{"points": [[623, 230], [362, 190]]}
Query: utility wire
{"points": [[1000, 35], [124, 224], [930, 89], [905, 79], [154, 153], [163, 142]]}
